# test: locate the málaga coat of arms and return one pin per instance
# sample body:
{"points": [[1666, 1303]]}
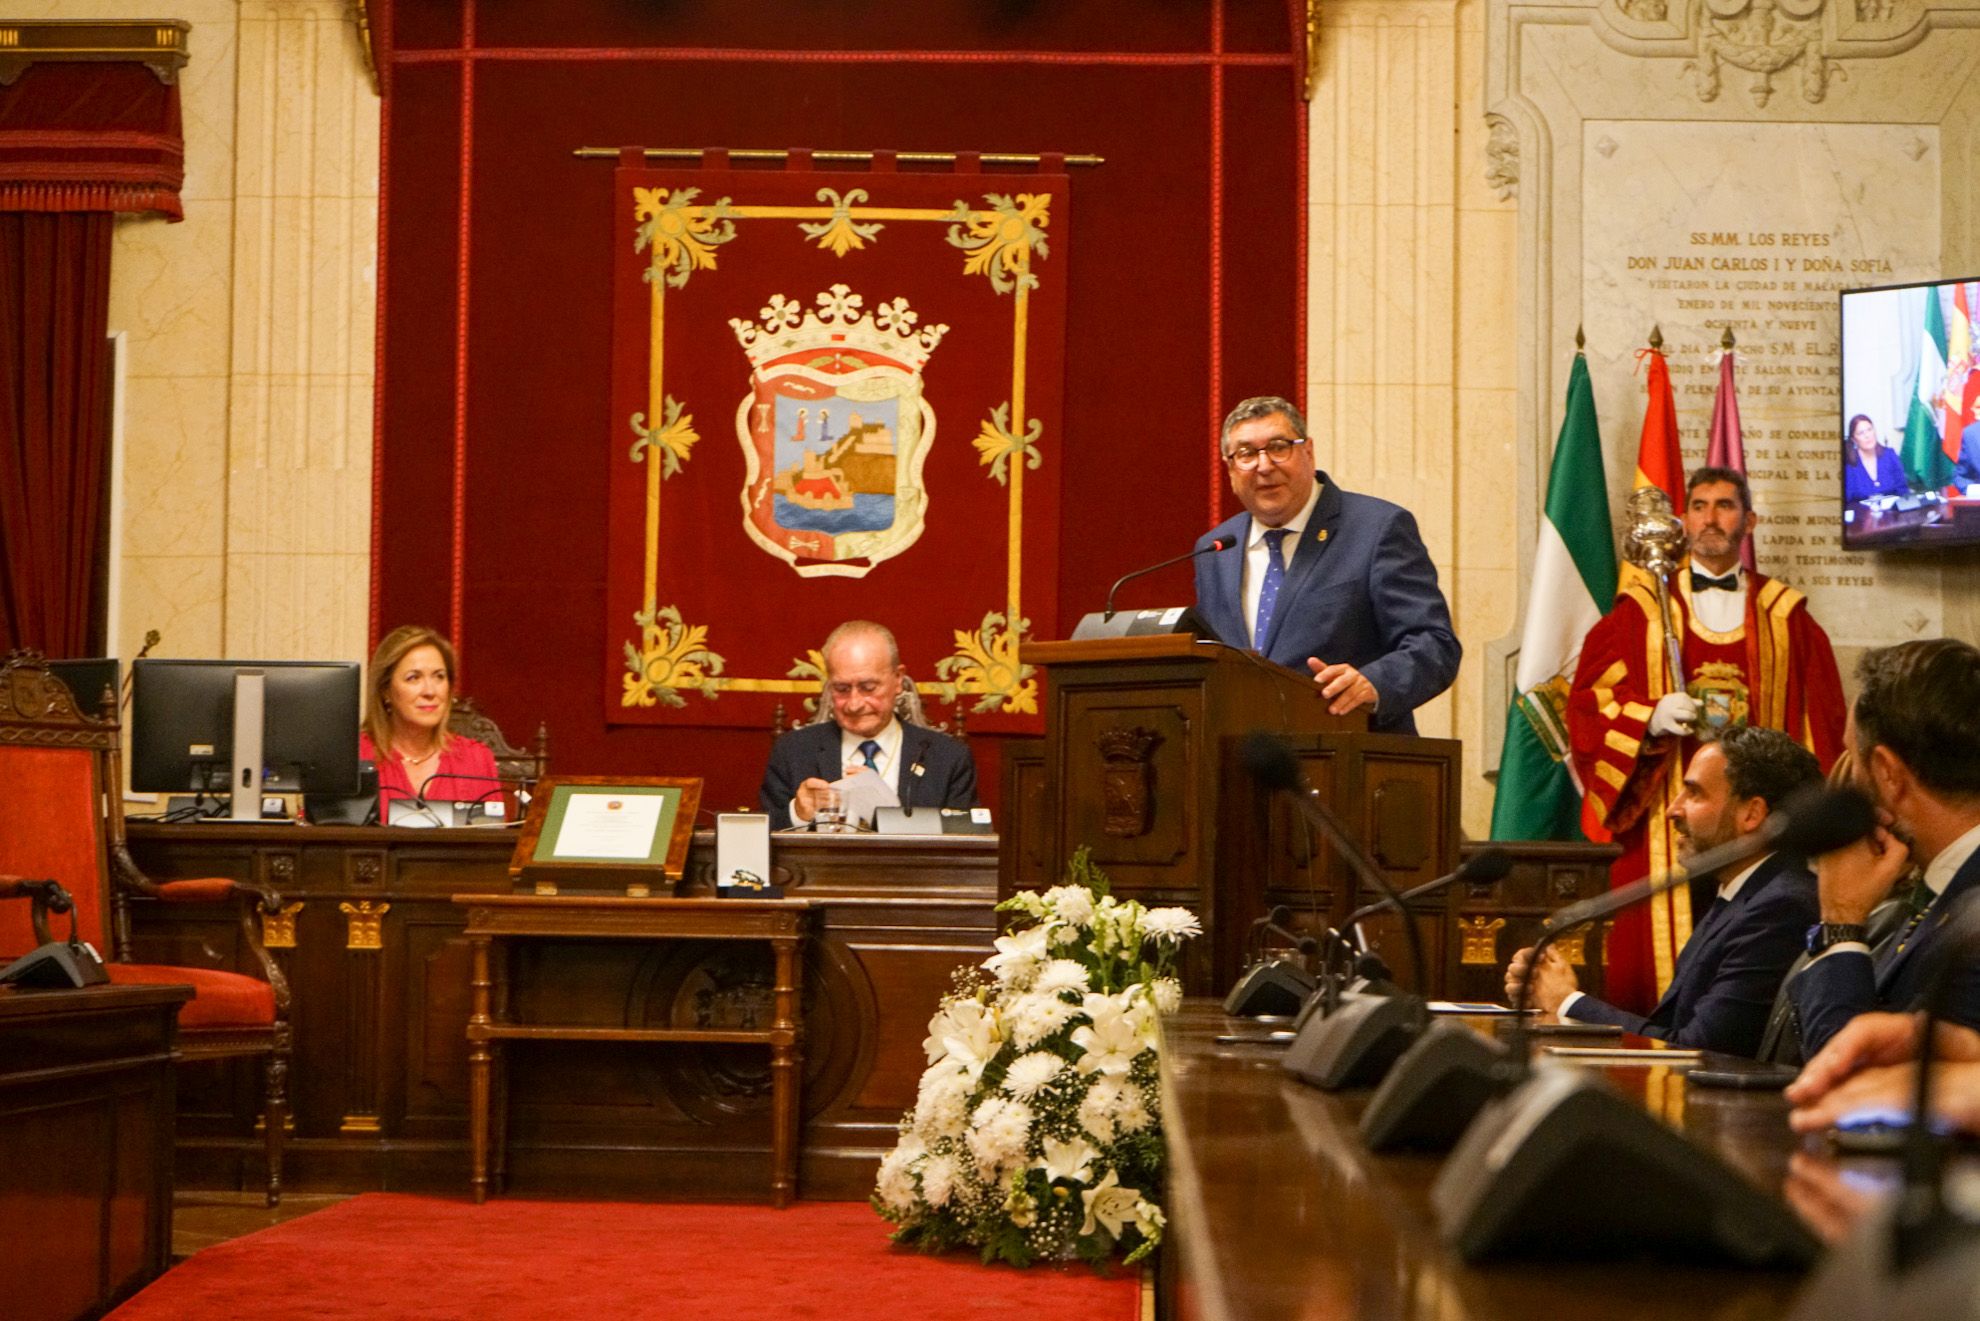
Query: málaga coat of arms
{"points": [[834, 431]]}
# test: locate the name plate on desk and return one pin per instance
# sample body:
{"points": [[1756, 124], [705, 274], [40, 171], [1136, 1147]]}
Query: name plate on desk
{"points": [[602, 832]]}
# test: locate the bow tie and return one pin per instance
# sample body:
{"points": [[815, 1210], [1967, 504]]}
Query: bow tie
{"points": [[1705, 582]]}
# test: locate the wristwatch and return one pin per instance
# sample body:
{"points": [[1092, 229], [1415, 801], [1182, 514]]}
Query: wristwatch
{"points": [[1827, 935]]}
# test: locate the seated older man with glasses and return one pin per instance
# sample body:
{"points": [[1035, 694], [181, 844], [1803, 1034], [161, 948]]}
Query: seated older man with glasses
{"points": [[1322, 579]]}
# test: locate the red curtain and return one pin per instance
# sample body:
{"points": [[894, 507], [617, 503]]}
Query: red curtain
{"points": [[78, 142], [55, 295]]}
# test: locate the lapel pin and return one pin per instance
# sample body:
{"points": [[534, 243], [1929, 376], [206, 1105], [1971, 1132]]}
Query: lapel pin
{"points": [[1321, 535], [916, 768]]}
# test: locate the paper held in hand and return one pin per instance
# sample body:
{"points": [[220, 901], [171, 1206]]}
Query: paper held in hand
{"points": [[864, 793]]}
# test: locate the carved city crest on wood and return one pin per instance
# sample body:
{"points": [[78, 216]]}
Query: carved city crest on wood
{"points": [[1127, 780], [1481, 939]]}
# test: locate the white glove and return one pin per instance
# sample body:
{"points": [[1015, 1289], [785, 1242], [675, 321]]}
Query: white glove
{"points": [[1676, 713]]}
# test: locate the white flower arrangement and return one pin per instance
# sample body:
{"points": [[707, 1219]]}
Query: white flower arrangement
{"points": [[1037, 1132]]}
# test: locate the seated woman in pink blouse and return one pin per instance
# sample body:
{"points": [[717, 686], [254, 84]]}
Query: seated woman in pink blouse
{"points": [[405, 725]]}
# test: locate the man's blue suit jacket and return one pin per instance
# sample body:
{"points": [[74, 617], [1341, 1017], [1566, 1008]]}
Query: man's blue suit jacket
{"points": [[1359, 588], [936, 770], [1728, 972], [1839, 986]]}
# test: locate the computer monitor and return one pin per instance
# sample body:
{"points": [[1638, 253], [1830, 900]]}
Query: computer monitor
{"points": [[87, 678], [195, 725]]}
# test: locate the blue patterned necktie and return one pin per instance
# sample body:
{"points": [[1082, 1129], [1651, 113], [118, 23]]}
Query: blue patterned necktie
{"points": [[1268, 592], [871, 751]]}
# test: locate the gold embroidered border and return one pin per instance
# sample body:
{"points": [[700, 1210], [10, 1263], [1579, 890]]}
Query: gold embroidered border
{"points": [[999, 242]]}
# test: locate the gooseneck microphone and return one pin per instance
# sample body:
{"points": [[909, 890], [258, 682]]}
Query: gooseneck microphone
{"points": [[1221, 543], [1272, 764], [1812, 821]]}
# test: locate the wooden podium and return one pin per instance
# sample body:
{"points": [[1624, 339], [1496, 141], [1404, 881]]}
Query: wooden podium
{"points": [[1140, 761]]}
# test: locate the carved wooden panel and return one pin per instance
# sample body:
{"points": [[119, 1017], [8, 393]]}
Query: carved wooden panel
{"points": [[1157, 834]]}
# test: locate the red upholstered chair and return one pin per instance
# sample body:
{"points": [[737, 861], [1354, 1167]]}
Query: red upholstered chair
{"points": [[62, 817]]}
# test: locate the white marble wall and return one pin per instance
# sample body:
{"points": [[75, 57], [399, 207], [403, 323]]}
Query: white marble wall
{"points": [[247, 411], [1410, 385]]}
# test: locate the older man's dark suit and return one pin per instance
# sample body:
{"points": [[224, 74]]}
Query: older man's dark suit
{"points": [[1728, 971], [936, 770], [1837, 987], [1359, 588]]}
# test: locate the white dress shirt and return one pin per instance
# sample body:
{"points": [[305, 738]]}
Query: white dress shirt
{"points": [[1720, 611], [1258, 556], [1727, 891]]}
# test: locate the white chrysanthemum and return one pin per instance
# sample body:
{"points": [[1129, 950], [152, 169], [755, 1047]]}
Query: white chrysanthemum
{"points": [[1071, 903], [1030, 1072], [1099, 1109], [1065, 933], [998, 1132], [895, 1185], [1032, 1018], [1168, 994], [938, 1180], [1170, 924], [943, 1104], [1061, 975], [1131, 1111], [1018, 956], [1067, 1160]]}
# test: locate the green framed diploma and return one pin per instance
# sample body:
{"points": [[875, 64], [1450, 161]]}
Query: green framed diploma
{"points": [[606, 832]]}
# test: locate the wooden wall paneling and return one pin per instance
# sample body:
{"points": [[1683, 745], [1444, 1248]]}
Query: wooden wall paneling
{"points": [[1023, 862]]}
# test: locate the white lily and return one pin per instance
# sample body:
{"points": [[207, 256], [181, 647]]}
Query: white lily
{"points": [[1109, 1204], [1067, 1160]]}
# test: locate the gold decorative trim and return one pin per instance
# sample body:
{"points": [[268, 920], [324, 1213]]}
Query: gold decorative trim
{"points": [[1609, 775], [365, 929], [1622, 743], [1312, 50], [158, 44], [278, 929], [781, 154], [361, 18], [1574, 948], [1694, 625]]}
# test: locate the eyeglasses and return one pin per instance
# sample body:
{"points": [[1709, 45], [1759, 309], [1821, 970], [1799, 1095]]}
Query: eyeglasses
{"points": [[1245, 457]]}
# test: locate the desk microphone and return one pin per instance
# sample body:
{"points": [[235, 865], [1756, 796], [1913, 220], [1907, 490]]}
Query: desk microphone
{"points": [[1561, 1138], [1356, 1041], [1221, 543]]}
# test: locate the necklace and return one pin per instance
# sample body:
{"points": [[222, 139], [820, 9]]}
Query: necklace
{"points": [[410, 760]]}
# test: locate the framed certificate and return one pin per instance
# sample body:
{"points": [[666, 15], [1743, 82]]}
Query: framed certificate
{"points": [[606, 832]]}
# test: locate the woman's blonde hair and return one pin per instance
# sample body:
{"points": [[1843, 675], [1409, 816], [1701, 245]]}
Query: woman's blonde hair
{"points": [[393, 648]]}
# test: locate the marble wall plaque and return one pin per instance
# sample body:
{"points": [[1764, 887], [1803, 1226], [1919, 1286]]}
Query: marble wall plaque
{"points": [[1695, 227]]}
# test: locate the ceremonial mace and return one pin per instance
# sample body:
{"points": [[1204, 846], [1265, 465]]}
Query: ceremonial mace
{"points": [[1654, 543]]}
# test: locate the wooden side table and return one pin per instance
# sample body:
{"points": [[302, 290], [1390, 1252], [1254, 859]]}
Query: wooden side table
{"points": [[494, 918]]}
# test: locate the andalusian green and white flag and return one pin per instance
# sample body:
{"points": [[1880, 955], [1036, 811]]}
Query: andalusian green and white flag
{"points": [[1923, 449], [1574, 580]]}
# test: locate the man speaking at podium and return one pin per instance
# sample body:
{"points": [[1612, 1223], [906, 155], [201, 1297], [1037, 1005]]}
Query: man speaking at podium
{"points": [[1325, 580]]}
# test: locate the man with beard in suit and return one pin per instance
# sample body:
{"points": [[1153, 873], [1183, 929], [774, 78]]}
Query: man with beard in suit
{"points": [[1729, 970]]}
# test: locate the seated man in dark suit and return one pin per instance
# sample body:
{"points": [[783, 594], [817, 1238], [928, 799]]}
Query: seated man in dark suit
{"points": [[1324, 580], [1727, 973], [863, 678], [1914, 738]]}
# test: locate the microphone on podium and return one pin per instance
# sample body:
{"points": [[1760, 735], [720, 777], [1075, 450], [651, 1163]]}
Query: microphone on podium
{"points": [[1108, 623]]}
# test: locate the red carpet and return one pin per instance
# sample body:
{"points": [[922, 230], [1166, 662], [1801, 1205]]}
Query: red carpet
{"points": [[390, 1257]]}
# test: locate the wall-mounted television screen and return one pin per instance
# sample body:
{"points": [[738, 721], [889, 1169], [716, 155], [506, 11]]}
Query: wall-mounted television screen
{"points": [[1908, 466]]}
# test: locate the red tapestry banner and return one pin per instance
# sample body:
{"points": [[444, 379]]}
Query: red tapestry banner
{"points": [[835, 396]]}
